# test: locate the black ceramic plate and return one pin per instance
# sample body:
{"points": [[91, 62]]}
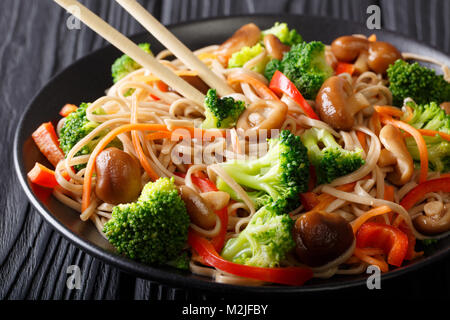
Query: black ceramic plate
{"points": [[87, 79]]}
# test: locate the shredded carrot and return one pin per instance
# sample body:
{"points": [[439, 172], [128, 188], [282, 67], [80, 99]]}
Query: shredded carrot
{"points": [[410, 114], [158, 135], [386, 119], [362, 139], [235, 142], [389, 110], [388, 192], [358, 222], [433, 133], [372, 38], [102, 144], [375, 123], [380, 263], [260, 87]]}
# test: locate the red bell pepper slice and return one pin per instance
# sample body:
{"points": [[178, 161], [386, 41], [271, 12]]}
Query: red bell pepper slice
{"points": [[391, 239], [281, 84], [344, 67], [68, 109], [44, 177], [47, 141], [417, 193], [309, 200], [294, 276]]}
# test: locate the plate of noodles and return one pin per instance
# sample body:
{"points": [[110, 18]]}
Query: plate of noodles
{"points": [[327, 154]]}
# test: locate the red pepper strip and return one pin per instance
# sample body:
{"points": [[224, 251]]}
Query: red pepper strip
{"points": [[47, 141], [391, 239], [416, 194], [294, 276], [41, 193], [44, 177], [68, 109], [344, 67], [281, 84], [309, 200], [206, 185]]}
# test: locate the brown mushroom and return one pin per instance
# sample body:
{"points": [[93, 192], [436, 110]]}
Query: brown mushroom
{"points": [[199, 211], [263, 114], [321, 237], [348, 48], [337, 104], [392, 140], [381, 55], [435, 220], [275, 48], [248, 35], [118, 176], [361, 64]]}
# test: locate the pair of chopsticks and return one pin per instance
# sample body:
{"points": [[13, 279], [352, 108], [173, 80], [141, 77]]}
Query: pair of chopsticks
{"points": [[147, 61]]}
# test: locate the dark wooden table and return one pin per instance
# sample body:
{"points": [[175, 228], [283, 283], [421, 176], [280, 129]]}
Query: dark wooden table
{"points": [[35, 44]]}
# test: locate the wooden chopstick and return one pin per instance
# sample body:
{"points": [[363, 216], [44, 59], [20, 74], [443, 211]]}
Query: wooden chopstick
{"points": [[131, 49], [172, 43]]}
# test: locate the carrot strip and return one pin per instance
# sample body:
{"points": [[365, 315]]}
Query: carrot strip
{"points": [[389, 110], [371, 260], [362, 139], [358, 222], [419, 140], [388, 192], [47, 141], [260, 87], [101, 145], [158, 135], [375, 123], [372, 38]]}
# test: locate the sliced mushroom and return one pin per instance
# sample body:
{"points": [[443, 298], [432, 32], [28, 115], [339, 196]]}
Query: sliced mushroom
{"points": [[248, 35], [216, 200], [392, 140], [435, 220], [386, 158], [348, 48], [199, 211], [263, 114], [337, 103], [275, 48], [381, 55]]}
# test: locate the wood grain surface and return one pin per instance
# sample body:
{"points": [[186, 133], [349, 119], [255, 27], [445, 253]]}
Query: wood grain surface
{"points": [[35, 44]]}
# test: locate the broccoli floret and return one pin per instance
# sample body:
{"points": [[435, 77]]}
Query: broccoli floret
{"points": [[330, 161], [239, 58], [432, 117], [429, 242], [305, 65], [181, 261], [221, 112], [416, 82], [125, 65], [76, 127], [279, 176], [282, 32], [264, 242], [153, 229]]}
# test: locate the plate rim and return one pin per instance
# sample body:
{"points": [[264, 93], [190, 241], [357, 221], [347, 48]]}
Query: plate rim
{"points": [[166, 276]]}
